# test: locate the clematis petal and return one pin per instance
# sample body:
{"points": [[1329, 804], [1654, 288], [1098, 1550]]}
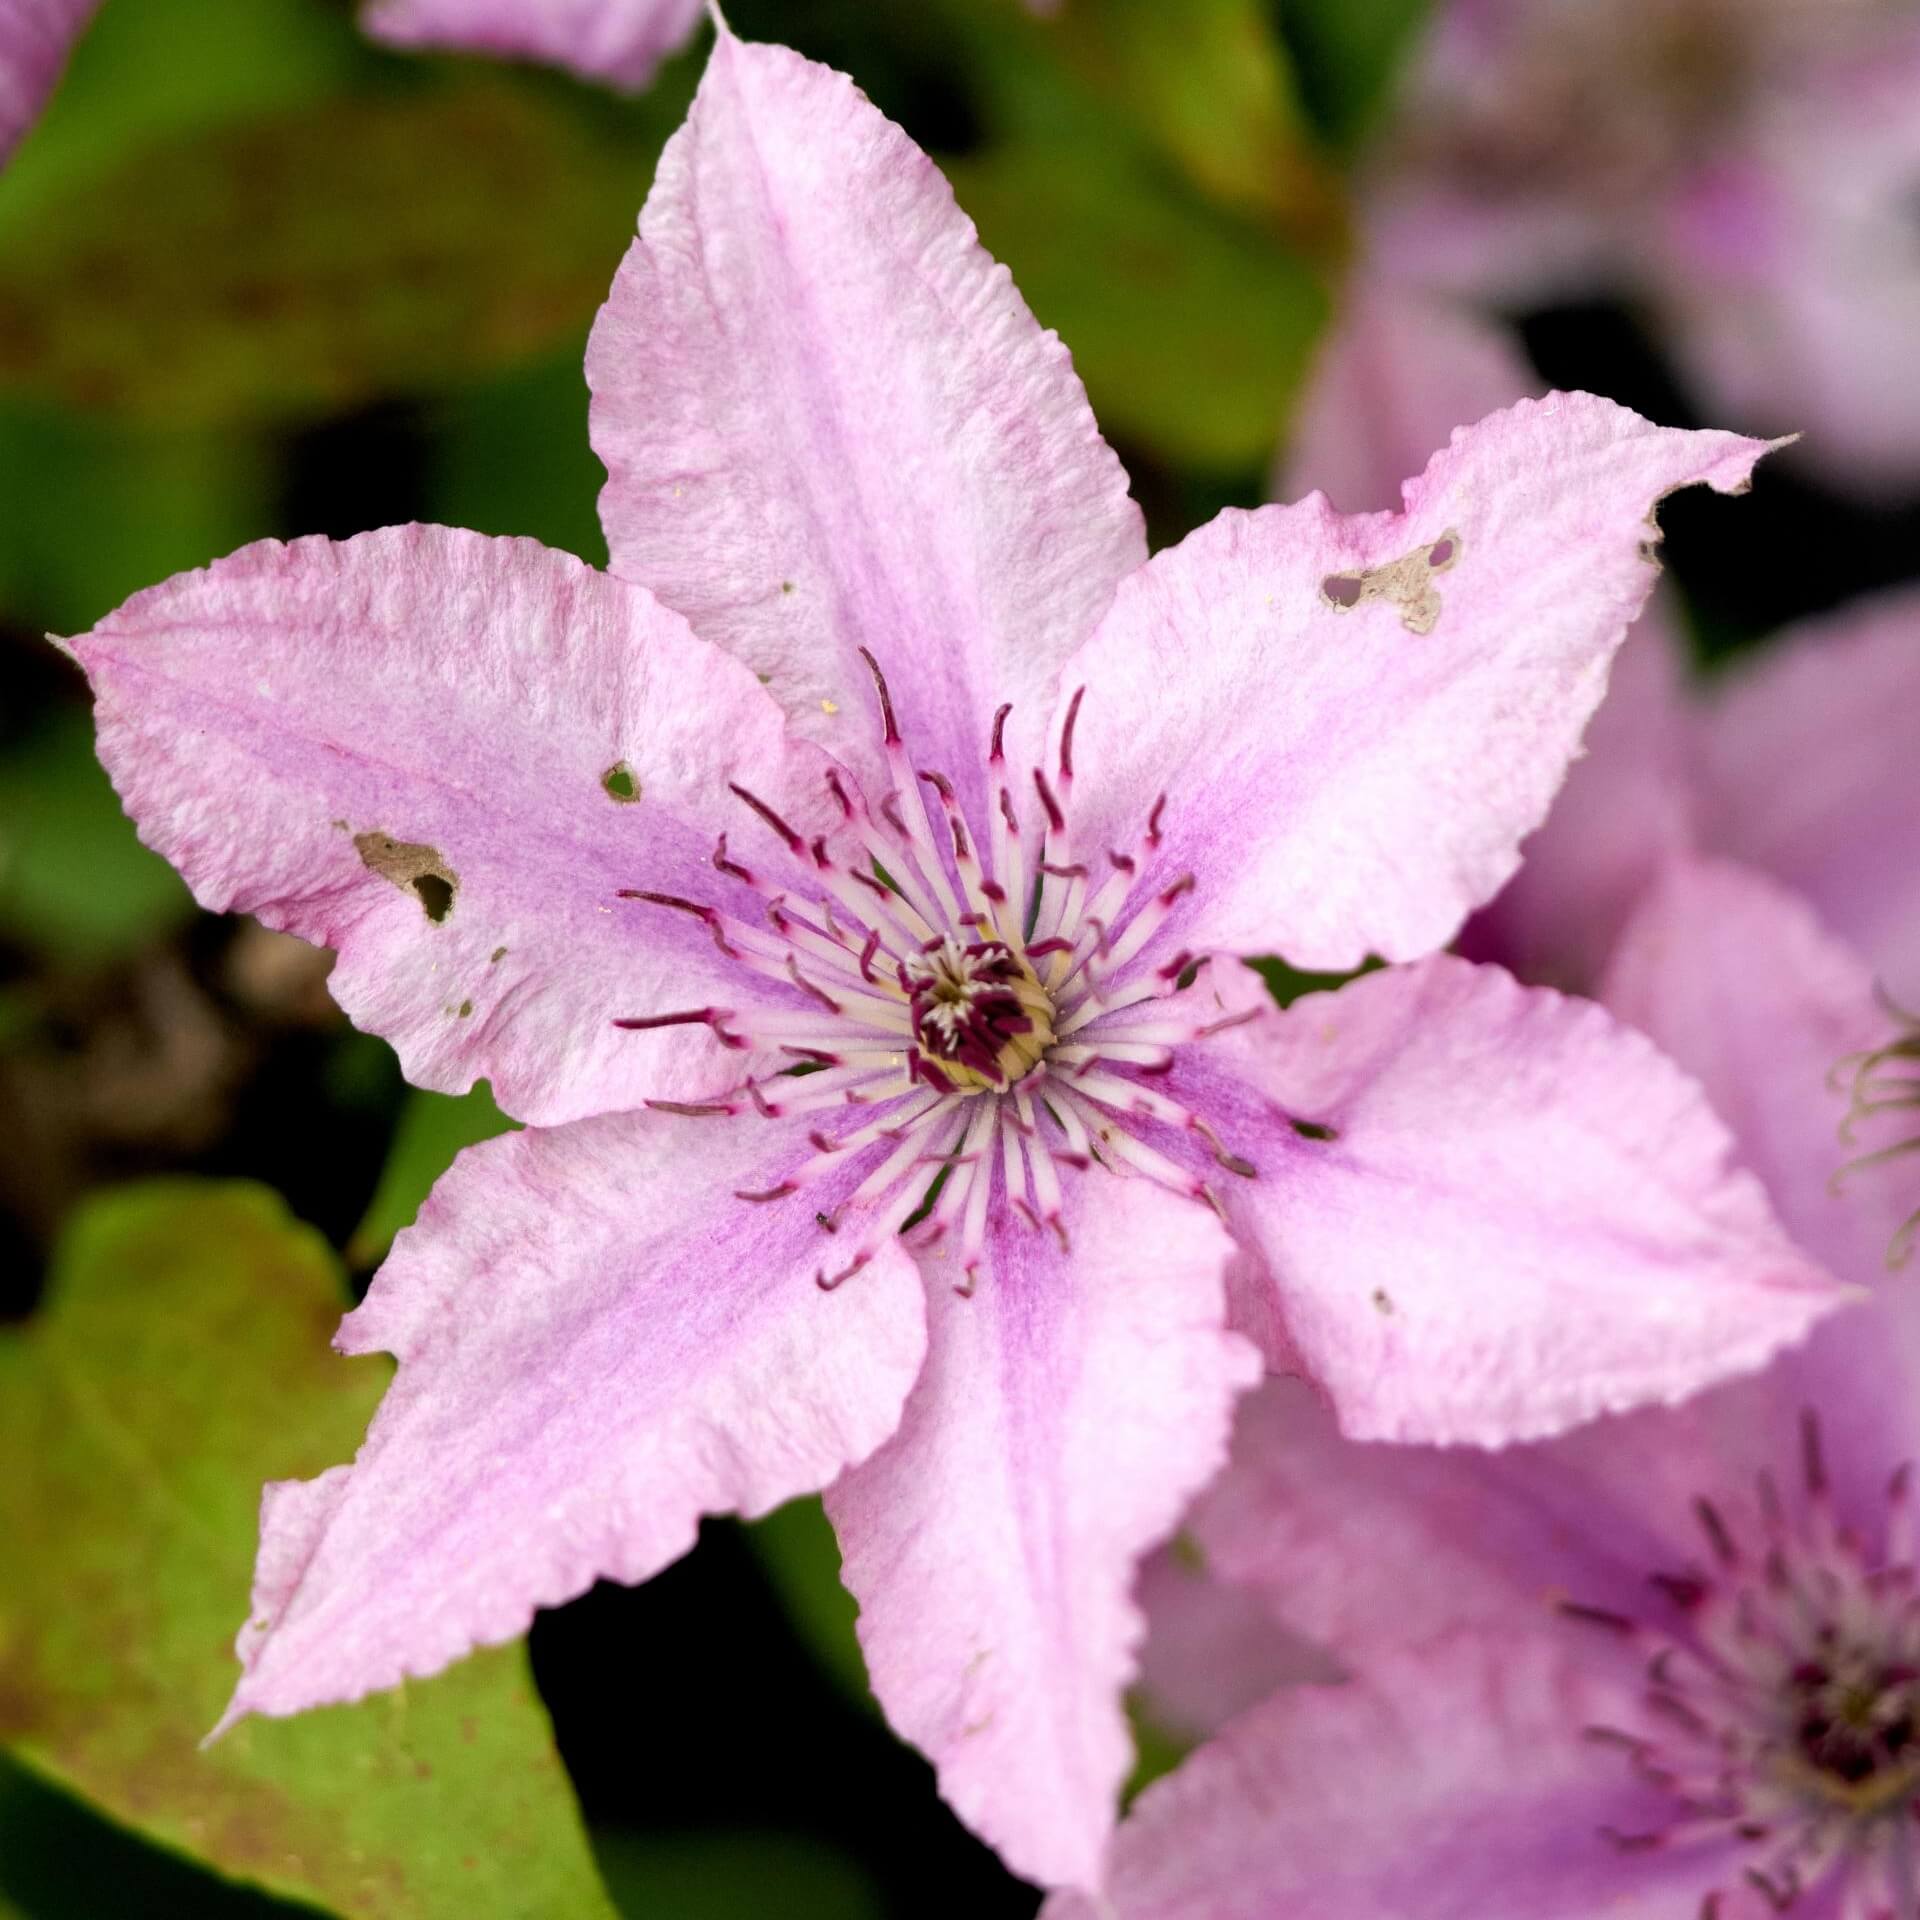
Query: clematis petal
{"points": [[1068, 1411], [619, 41], [830, 422], [445, 755], [1834, 700], [1507, 1214], [1628, 805], [1214, 1649], [1392, 380], [1450, 1781], [1732, 974], [598, 1344], [1355, 721], [35, 38]]}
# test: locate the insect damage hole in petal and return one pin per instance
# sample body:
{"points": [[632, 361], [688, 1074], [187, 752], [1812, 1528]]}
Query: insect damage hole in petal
{"points": [[410, 864], [1406, 583]]}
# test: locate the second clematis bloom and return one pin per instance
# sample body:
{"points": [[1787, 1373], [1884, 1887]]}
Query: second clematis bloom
{"points": [[854, 912]]}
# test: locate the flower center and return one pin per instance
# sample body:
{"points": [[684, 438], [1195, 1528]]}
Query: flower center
{"points": [[981, 1019], [1788, 1702], [996, 1003]]}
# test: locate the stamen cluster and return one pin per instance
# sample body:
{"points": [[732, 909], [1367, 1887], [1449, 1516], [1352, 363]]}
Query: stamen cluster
{"points": [[1789, 1703], [981, 997]]}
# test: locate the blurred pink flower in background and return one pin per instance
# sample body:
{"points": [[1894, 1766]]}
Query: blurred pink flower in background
{"points": [[35, 39], [617, 854], [620, 42], [1747, 169]]}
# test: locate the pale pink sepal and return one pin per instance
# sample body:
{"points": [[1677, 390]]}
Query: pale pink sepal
{"points": [[1068, 1412], [598, 1344], [1356, 720], [35, 38], [830, 422], [1521, 1214], [455, 754]]}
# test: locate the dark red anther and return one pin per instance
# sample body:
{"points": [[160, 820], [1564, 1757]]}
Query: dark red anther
{"points": [[1055, 818], [1066, 733], [839, 792], [1184, 884], [819, 851], [705, 915], [1153, 821], [891, 814], [938, 782], [766, 813], [994, 891], [1124, 861], [1007, 813], [770, 1193], [871, 881], [886, 699], [1813, 1460], [1715, 1528], [691, 1110], [961, 844], [1685, 1590], [997, 751], [732, 867], [1043, 947], [1596, 1617], [823, 1142], [693, 1017], [815, 1054], [807, 986], [827, 1282], [866, 956], [1077, 871], [1178, 965]]}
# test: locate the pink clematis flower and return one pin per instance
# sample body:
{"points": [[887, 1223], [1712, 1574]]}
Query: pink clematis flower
{"points": [[1666, 1666], [620, 42], [35, 38], [1746, 170], [855, 922]]}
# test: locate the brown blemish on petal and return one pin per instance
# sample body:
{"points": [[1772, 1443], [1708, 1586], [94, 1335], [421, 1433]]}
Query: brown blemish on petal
{"points": [[621, 783], [1406, 582], [1382, 1300], [466, 1009], [412, 865], [496, 956]]}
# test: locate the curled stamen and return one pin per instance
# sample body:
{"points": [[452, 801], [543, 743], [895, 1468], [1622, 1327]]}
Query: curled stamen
{"points": [[892, 726], [1066, 733], [793, 841]]}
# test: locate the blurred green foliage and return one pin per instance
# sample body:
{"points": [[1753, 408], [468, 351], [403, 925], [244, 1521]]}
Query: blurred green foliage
{"points": [[181, 1359]]}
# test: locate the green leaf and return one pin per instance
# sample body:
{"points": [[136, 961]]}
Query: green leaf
{"points": [[147, 67], [182, 1358], [801, 1559], [95, 510], [74, 881], [1190, 328], [319, 258], [733, 1876], [59, 1860], [1347, 54], [433, 1128], [1209, 82]]}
